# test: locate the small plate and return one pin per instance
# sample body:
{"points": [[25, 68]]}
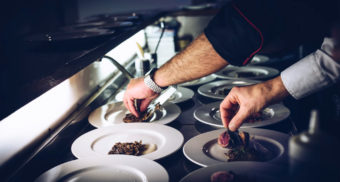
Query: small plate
{"points": [[113, 113], [210, 114], [204, 150], [259, 59], [220, 89], [99, 142], [247, 72], [107, 169], [199, 81], [254, 171], [182, 94]]}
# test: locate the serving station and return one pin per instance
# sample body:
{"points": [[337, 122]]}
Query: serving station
{"points": [[63, 83]]}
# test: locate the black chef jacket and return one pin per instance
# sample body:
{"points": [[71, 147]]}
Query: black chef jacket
{"points": [[243, 27]]}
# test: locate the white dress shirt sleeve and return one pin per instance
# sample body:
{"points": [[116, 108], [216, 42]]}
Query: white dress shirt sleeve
{"points": [[312, 73]]}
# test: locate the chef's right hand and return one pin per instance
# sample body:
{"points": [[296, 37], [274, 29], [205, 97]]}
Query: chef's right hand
{"points": [[136, 89], [242, 102]]}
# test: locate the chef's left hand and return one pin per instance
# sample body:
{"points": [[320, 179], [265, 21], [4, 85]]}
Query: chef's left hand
{"points": [[136, 89]]}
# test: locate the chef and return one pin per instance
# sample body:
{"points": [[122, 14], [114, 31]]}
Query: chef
{"points": [[241, 29]]}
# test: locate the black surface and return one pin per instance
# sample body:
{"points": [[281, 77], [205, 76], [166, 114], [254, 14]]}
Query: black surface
{"points": [[28, 68]]}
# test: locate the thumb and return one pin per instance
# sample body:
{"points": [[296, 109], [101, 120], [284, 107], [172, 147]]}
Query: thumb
{"points": [[144, 104], [241, 115]]}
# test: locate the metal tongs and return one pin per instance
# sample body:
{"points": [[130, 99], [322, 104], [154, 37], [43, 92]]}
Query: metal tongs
{"points": [[158, 102]]}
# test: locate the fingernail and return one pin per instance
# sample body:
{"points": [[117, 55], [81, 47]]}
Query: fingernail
{"points": [[232, 127]]}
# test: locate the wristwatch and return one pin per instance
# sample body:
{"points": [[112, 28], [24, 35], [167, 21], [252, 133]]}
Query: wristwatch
{"points": [[148, 81]]}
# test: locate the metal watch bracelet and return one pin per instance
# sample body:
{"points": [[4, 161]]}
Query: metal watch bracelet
{"points": [[151, 84]]}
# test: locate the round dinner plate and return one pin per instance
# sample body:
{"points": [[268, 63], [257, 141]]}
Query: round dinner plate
{"points": [[199, 81], [254, 171], [182, 94], [113, 113], [204, 150], [247, 72], [99, 142], [210, 114], [220, 89], [119, 168]]}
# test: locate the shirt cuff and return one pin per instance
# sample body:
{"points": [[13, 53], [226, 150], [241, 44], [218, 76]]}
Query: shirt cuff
{"points": [[314, 72]]}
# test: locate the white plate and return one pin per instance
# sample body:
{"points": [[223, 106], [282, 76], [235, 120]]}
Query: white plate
{"points": [[215, 89], [199, 81], [210, 114], [113, 113], [99, 142], [120, 168], [256, 72], [203, 149], [182, 94], [254, 171], [259, 59]]}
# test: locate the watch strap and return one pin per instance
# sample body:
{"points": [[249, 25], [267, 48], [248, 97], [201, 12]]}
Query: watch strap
{"points": [[151, 84]]}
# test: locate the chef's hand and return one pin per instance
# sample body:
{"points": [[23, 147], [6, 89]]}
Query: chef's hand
{"points": [[242, 102], [136, 89]]}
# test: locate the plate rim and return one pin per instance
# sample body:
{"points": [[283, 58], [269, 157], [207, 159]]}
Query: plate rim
{"points": [[202, 89], [231, 167], [272, 72], [175, 110], [200, 112], [192, 145], [207, 78], [171, 133], [183, 90], [129, 161]]}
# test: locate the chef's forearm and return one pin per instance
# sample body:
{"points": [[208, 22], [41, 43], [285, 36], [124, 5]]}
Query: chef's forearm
{"points": [[197, 60]]}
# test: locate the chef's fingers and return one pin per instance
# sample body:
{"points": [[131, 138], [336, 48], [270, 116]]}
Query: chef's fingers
{"points": [[125, 100], [242, 114], [131, 107], [227, 110], [144, 104]]}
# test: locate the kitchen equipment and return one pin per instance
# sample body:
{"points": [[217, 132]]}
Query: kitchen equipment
{"points": [[313, 154]]}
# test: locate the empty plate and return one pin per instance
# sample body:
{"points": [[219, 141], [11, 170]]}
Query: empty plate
{"points": [[113, 113], [247, 72], [204, 150], [249, 171], [199, 81], [120, 168], [98, 142], [220, 89], [210, 114]]}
